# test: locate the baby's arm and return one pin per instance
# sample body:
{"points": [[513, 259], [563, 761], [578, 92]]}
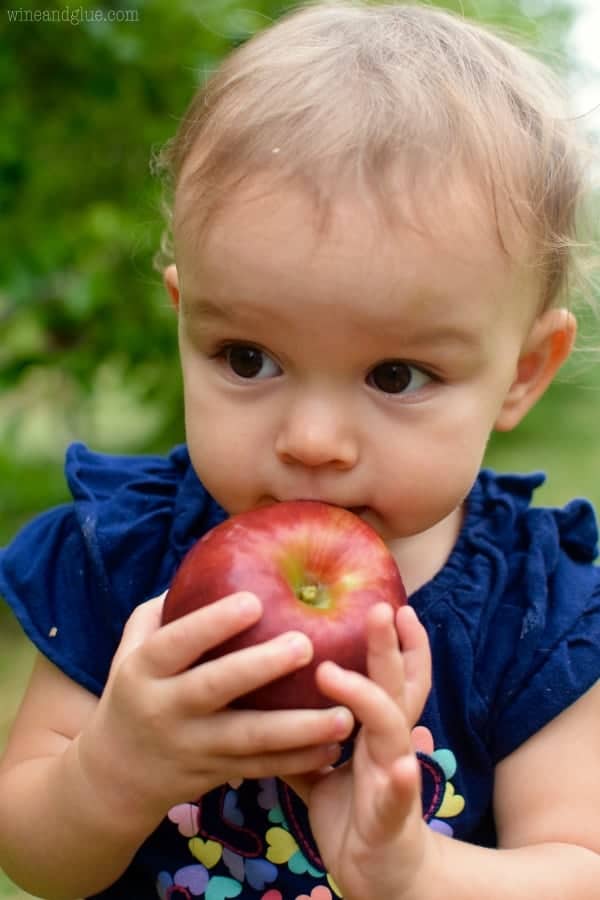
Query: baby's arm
{"points": [[84, 781], [366, 816], [547, 811]]}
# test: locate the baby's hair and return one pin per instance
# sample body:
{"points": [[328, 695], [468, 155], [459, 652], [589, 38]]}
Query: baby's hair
{"points": [[340, 94]]}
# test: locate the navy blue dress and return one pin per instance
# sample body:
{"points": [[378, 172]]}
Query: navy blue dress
{"points": [[513, 620]]}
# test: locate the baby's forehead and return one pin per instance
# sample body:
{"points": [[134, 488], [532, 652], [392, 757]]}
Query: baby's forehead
{"points": [[455, 214], [271, 244]]}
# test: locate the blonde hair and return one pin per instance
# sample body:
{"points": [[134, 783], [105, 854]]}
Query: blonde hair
{"points": [[343, 92]]}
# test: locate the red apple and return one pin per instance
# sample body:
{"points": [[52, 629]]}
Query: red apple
{"points": [[317, 568]]}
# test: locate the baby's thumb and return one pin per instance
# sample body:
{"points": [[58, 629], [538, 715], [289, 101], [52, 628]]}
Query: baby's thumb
{"points": [[142, 623]]}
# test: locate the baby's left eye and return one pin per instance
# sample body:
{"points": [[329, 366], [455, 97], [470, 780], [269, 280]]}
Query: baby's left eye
{"points": [[396, 377]]}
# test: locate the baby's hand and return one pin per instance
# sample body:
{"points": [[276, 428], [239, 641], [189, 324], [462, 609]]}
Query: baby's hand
{"points": [[162, 733], [366, 815]]}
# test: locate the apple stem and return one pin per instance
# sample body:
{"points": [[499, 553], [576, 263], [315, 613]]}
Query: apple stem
{"points": [[308, 593], [313, 595]]}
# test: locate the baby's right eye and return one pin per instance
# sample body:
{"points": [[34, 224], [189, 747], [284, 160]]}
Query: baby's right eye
{"points": [[249, 362]]}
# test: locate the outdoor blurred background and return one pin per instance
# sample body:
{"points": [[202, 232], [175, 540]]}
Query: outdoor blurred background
{"points": [[88, 346]]}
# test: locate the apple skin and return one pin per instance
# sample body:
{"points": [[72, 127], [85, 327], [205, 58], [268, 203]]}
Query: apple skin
{"points": [[300, 547]]}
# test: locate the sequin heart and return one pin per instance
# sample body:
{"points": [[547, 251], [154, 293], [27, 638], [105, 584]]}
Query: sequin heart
{"points": [[163, 883], [260, 872], [193, 878], [318, 893], [267, 796], [206, 852], [276, 815], [185, 816], [447, 760], [220, 888], [422, 739], [272, 895], [282, 845], [441, 827], [452, 804], [234, 863], [231, 810], [299, 865]]}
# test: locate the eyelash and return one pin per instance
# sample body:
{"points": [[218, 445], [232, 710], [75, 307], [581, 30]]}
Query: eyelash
{"points": [[223, 349]]}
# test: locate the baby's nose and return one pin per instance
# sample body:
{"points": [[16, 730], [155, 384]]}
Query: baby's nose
{"points": [[318, 434]]}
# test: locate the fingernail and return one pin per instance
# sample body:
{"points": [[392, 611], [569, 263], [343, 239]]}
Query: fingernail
{"points": [[342, 720], [248, 603], [300, 645]]}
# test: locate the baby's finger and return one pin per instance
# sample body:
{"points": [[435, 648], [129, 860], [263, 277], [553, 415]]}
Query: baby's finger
{"points": [[216, 683], [142, 624], [398, 798], [385, 664], [280, 765], [238, 733], [179, 644], [416, 655], [384, 725]]}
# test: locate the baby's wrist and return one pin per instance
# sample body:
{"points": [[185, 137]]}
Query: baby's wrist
{"points": [[115, 803], [420, 883], [412, 873], [428, 882]]}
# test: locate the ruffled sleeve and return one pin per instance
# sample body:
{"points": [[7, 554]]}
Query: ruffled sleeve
{"points": [[566, 665], [74, 574], [539, 637]]}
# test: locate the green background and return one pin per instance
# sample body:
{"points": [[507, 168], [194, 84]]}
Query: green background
{"points": [[88, 349]]}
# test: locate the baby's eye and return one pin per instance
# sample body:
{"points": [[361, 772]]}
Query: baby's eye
{"points": [[396, 377], [249, 362]]}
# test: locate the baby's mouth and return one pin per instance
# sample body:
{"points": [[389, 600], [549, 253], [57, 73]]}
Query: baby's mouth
{"points": [[357, 510]]}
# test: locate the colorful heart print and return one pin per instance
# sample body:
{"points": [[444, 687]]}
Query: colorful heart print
{"points": [[220, 888], [206, 852], [282, 846], [318, 893], [185, 816]]}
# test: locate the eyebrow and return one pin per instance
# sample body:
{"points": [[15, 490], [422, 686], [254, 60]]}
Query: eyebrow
{"points": [[206, 309], [446, 334]]}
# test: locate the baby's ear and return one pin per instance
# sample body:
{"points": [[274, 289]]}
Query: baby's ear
{"points": [[548, 345], [171, 281]]}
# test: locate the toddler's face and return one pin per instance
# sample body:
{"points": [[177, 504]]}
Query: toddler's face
{"points": [[358, 366]]}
